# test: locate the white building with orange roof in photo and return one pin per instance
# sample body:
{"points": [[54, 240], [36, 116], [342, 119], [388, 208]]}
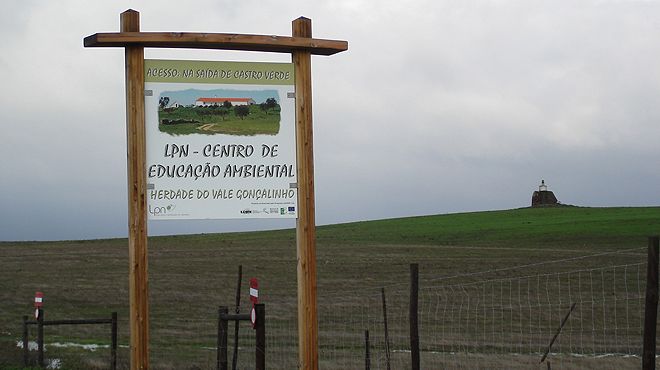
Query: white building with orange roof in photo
{"points": [[207, 102]]}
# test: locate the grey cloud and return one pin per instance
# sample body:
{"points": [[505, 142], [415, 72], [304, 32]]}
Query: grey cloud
{"points": [[434, 102]]}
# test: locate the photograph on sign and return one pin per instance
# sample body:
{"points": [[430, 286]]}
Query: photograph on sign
{"points": [[220, 140], [219, 111]]}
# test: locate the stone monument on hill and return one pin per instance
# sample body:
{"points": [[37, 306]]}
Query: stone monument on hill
{"points": [[544, 197]]}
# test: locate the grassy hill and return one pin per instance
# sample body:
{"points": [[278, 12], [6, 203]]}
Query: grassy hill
{"points": [[551, 226], [557, 226], [191, 275]]}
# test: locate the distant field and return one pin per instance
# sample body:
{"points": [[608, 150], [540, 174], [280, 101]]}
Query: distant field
{"points": [[537, 227], [191, 275]]}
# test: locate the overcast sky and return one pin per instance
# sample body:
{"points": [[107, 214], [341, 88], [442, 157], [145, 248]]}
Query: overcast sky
{"points": [[437, 107]]}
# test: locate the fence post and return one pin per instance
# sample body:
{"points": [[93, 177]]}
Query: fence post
{"points": [[113, 343], [387, 336], [413, 315], [651, 305], [367, 355], [561, 326], [260, 352], [234, 358], [222, 337], [40, 337], [26, 342]]}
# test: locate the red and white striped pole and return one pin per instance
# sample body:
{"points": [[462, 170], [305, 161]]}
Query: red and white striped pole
{"points": [[254, 298], [38, 303]]}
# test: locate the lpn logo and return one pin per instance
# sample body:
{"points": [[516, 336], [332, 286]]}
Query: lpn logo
{"points": [[163, 210]]}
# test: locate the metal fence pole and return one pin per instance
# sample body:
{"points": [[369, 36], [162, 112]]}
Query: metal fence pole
{"points": [[234, 358], [651, 305], [387, 336], [26, 342], [367, 355], [413, 315], [223, 311], [260, 359], [40, 337], [113, 342]]}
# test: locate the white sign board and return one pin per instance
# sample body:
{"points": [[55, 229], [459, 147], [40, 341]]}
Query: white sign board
{"points": [[220, 140]]}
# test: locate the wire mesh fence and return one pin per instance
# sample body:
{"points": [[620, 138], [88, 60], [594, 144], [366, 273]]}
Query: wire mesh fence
{"points": [[503, 318]]}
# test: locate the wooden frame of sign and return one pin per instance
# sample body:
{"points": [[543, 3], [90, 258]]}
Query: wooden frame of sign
{"points": [[301, 46]]}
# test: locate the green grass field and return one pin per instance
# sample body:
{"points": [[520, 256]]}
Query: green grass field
{"points": [[207, 121], [191, 275]]}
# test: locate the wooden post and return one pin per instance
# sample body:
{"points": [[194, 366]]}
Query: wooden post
{"points": [[234, 358], [137, 214], [413, 315], [113, 342], [306, 223], [223, 326], [40, 338], [387, 336], [367, 355], [26, 342], [260, 352], [651, 305]]}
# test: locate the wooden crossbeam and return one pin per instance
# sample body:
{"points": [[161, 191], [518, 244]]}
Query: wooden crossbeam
{"points": [[225, 41]]}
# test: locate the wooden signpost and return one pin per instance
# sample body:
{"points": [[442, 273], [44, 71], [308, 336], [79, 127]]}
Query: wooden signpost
{"points": [[301, 46]]}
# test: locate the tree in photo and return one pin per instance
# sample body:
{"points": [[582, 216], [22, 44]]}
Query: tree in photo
{"points": [[163, 101], [271, 103], [223, 112], [226, 104], [242, 111]]}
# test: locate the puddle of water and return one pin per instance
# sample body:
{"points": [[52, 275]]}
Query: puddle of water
{"points": [[88, 347], [32, 345]]}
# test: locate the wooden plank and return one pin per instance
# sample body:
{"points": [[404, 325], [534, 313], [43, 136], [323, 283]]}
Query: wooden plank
{"points": [[137, 200], [236, 317], [225, 41], [306, 223], [77, 322]]}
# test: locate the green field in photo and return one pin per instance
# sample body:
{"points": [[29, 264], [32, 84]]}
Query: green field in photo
{"points": [[210, 121]]}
